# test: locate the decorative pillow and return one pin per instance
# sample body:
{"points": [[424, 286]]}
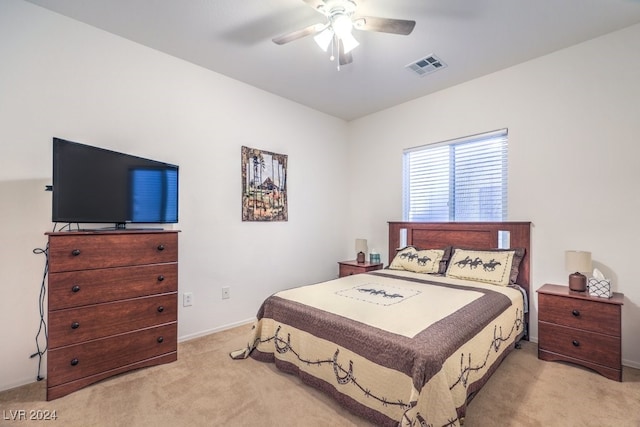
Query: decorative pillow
{"points": [[489, 266], [518, 255], [418, 261], [401, 255], [515, 264]]}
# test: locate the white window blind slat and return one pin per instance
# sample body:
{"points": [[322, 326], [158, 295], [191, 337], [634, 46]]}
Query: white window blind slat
{"points": [[460, 180]]}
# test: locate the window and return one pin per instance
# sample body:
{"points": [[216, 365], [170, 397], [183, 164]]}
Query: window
{"points": [[460, 180]]}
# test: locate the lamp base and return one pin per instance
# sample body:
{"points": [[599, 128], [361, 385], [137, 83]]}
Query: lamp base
{"points": [[360, 258], [578, 282]]}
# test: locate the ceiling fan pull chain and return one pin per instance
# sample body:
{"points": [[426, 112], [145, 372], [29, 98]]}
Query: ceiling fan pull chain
{"points": [[334, 46], [333, 43]]}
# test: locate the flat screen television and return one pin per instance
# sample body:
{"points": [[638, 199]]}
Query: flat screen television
{"points": [[95, 185]]}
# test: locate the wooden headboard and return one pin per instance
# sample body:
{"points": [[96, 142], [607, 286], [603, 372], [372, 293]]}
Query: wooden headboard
{"points": [[470, 235]]}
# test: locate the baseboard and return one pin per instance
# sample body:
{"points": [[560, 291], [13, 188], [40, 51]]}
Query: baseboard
{"points": [[7, 387], [214, 330]]}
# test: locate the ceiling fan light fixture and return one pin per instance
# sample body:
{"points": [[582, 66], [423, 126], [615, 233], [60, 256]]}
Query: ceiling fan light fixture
{"points": [[324, 38], [337, 30], [342, 25], [349, 42]]}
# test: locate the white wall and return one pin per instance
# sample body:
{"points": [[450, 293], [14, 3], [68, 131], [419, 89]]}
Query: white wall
{"points": [[573, 158], [63, 78], [572, 132]]}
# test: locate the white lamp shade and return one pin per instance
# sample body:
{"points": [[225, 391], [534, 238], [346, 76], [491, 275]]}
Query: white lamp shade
{"points": [[361, 245], [349, 42], [577, 261], [323, 38]]}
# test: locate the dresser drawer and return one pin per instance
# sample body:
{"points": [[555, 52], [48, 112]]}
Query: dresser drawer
{"points": [[578, 344], [578, 313], [71, 252], [81, 360], [75, 325], [77, 288]]}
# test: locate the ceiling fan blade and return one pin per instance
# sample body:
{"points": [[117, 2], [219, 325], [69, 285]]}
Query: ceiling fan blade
{"points": [[298, 34], [344, 58], [316, 4], [384, 25]]}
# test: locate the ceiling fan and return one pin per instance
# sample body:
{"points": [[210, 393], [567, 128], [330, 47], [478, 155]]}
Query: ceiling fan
{"points": [[336, 32]]}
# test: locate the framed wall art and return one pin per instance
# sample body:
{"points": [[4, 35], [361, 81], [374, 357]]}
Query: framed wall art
{"points": [[264, 185]]}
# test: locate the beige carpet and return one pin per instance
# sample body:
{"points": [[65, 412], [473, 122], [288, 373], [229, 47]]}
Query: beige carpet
{"points": [[205, 387]]}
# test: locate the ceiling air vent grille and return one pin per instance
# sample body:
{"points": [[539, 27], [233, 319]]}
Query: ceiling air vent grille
{"points": [[426, 65]]}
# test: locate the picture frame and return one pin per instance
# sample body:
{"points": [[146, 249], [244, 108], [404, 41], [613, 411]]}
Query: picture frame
{"points": [[264, 185]]}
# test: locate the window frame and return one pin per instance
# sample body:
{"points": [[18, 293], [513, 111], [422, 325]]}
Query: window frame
{"points": [[499, 138]]}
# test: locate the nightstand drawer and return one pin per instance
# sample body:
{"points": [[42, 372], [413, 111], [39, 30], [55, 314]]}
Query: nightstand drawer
{"points": [[347, 270], [579, 344], [582, 314]]}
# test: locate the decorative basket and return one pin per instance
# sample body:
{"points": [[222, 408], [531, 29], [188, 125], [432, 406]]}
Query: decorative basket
{"points": [[600, 288]]}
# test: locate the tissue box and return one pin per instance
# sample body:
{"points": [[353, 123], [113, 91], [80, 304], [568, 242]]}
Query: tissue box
{"points": [[600, 288]]}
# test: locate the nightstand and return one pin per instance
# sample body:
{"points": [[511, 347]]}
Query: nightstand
{"points": [[347, 268], [578, 328]]}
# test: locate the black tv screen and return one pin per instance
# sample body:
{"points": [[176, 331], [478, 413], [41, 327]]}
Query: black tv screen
{"points": [[95, 185]]}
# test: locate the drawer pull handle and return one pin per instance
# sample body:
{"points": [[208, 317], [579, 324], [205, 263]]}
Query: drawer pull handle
{"points": [[75, 288], [75, 252], [161, 247], [576, 313], [575, 343], [160, 339], [160, 309], [74, 362], [75, 325], [160, 278]]}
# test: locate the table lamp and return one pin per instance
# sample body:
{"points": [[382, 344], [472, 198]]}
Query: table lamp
{"points": [[361, 250], [577, 262]]}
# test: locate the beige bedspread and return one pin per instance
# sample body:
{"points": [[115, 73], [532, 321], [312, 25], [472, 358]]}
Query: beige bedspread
{"points": [[395, 347]]}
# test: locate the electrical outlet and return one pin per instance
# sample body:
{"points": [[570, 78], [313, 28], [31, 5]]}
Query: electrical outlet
{"points": [[187, 299], [226, 292]]}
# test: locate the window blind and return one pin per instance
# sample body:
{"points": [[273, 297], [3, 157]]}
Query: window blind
{"points": [[459, 180]]}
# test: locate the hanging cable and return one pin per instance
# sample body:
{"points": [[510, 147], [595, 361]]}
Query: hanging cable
{"points": [[42, 328]]}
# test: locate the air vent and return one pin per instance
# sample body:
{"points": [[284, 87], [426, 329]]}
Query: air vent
{"points": [[426, 65]]}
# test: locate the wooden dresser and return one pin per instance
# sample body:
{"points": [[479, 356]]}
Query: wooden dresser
{"points": [[112, 305], [578, 328]]}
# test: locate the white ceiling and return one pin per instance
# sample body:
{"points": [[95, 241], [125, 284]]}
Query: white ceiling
{"points": [[473, 37]]}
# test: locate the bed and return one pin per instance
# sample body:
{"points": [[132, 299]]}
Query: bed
{"points": [[410, 344]]}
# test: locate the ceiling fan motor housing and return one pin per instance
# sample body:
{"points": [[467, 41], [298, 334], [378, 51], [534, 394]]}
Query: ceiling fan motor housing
{"points": [[334, 8]]}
